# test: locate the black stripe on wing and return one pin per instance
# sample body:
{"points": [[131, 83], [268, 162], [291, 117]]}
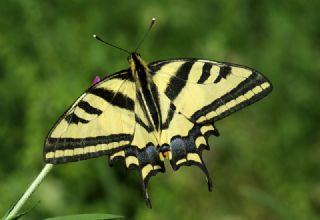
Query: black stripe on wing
{"points": [[178, 80], [84, 105], [63, 145], [54, 144], [170, 114], [139, 121], [144, 109], [157, 65], [223, 73], [123, 75], [255, 79], [205, 72], [115, 98], [74, 119]]}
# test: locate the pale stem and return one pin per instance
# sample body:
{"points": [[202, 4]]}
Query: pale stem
{"points": [[14, 211]]}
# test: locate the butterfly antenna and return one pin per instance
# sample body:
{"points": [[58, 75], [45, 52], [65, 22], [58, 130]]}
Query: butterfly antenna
{"points": [[99, 39], [146, 34]]}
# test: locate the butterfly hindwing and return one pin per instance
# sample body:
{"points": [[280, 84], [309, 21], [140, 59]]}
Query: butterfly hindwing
{"points": [[100, 122], [196, 93], [218, 88], [181, 141]]}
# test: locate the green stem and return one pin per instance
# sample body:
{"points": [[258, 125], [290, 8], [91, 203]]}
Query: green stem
{"points": [[14, 211]]}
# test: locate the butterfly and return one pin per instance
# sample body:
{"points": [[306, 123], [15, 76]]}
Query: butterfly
{"points": [[149, 113]]}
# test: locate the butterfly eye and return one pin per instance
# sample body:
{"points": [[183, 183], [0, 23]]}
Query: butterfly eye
{"points": [[129, 59]]}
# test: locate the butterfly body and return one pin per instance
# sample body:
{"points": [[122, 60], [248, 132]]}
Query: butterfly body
{"points": [[152, 112], [146, 90]]}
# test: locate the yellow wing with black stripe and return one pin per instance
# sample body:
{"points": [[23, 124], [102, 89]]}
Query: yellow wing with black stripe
{"points": [[194, 93], [206, 91], [101, 121]]}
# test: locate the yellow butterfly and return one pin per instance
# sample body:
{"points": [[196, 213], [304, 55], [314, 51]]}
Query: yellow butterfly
{"points": [[148, 113]]}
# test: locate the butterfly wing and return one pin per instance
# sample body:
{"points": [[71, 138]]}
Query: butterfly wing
{"points": [[100, 122], [108, 119], [194, 94], [206, 91], [182, 141]]}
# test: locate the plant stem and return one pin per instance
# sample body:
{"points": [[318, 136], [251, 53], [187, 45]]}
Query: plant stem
{"points": [[14, 211]]}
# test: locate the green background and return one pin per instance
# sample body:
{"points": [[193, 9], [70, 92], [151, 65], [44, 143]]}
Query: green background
{"points": [[265, 164]]}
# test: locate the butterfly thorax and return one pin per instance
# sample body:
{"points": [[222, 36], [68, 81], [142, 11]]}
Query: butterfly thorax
{"points": [[139, 70], [146, 91]]}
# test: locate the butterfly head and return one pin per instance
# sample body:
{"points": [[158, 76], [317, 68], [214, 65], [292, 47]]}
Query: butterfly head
{"points": [[136, 63]]}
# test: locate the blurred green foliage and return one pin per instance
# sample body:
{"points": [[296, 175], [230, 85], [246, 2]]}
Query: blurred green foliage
{"points": [[265, 164]]}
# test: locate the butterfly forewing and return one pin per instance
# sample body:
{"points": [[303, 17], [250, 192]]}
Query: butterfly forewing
{"points": [[100, 122], [206, 91]]}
